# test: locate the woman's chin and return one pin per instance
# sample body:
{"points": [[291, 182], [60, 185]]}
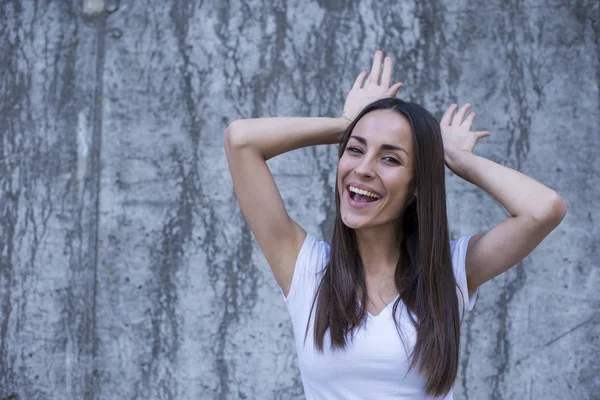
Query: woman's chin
{"points": [[353, 222]]}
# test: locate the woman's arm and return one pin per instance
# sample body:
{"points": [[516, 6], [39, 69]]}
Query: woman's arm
{"points": [[248, 144], [271, 137], [535, 209]]}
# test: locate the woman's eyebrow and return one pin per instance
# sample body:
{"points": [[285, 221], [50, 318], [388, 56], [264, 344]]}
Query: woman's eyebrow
{"points": [[384, 146]]}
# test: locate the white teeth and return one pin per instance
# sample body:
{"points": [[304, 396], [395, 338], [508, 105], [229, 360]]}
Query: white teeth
{"points": [[363, 192]]}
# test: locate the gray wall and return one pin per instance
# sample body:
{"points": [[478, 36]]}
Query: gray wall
{"points": [[126, 269]]}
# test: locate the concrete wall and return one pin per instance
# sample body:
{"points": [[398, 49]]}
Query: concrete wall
{"points": [[126, 269]]}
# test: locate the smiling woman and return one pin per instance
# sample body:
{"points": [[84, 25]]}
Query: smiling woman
{"points": [[376, 313], [396, 244], [374, 159]]}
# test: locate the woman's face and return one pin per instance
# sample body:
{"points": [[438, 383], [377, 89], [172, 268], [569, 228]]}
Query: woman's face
{"points": [[375, 172]]}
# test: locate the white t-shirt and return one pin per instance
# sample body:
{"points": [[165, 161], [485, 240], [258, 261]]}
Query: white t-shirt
{"points": [[374, 364]]}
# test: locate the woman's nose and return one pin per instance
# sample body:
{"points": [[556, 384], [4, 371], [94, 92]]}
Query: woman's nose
{"points": [[365, 168]]}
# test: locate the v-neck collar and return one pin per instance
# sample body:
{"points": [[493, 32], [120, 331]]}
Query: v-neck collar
{"points": [[384, 309]]}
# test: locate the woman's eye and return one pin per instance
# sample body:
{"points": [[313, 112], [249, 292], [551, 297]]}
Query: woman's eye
{"points": [[353, 150], [392, 160]]}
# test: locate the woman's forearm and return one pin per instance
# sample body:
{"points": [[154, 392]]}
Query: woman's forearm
{"points": [[519, 194], [273, 136]]}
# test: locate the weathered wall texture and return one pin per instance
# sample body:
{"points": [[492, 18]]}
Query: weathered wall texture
{"points": [[126, 270]]}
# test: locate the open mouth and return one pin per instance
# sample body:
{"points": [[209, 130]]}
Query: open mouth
{"points": [[362, 196]]}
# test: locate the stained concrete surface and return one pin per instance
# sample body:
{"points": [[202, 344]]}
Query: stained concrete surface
{"points": [[126, 269]]}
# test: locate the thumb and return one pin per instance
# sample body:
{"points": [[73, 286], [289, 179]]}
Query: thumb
{"points": [[394, 89], [482, 134]]}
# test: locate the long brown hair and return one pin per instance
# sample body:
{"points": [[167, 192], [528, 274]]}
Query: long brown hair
{"points": [[424, 277]]}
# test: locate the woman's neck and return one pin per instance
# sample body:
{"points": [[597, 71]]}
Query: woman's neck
{"points": [[378, 249]]}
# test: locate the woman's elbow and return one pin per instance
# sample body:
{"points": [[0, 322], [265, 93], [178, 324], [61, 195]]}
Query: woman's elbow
{"points": [[554, 211], [231, 137]]}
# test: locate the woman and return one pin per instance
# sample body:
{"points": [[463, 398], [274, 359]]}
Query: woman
{"points": [[377, 314]]}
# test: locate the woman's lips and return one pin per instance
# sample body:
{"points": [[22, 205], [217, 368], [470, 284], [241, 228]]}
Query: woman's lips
{"points": [[359, 204]]}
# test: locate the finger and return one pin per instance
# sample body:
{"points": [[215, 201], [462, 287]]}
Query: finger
{"points": [[376, 68], [460, 115], [448, 115], [468, 122], [386, 77], [482, 134], [359, 80], [393, 91]]}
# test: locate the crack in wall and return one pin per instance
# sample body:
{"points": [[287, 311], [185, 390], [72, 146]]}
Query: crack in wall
{"points": [[11, 83]]}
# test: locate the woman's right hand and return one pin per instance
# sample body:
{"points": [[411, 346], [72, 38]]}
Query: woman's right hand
{"points": [[361, 96]]}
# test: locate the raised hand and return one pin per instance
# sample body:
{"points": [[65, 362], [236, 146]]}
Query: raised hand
{"points": [[360, 96], [456, 131]]}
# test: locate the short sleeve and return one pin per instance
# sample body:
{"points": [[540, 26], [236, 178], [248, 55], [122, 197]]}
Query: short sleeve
{"points": [[312, 258], [458, 249]]}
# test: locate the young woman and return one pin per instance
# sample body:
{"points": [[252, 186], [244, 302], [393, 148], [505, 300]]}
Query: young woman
{"points": [[377, 312]]}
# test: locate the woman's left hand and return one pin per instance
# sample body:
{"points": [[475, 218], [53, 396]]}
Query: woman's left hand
{"points": [[457, 134]]}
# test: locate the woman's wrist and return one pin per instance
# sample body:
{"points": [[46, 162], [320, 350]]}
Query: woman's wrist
{"points": [[458, 162], [345, 120], [343, 123]]}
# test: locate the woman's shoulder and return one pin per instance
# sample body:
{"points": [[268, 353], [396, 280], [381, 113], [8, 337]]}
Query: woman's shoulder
{"points": [[314, 254], [459, 245], [309, 268], [458, 251]]}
